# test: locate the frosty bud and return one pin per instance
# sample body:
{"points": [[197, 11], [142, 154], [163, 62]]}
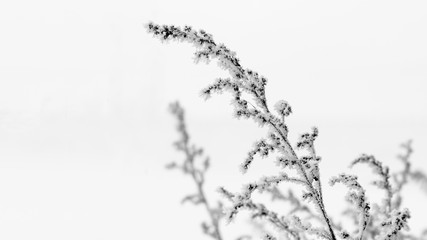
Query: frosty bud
{"points": [[283, 108]]}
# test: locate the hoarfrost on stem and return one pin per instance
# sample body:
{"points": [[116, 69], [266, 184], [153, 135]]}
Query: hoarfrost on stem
{"points": [[189, 167], [249, 101]]}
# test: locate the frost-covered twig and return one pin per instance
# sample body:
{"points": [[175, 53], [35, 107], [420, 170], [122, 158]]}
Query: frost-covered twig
{"points": [[297, 206], [189, 167], [251, 83], [249, 101], [244, 201], [356, 195], [392, 226], [401, 178], [384, 174]]}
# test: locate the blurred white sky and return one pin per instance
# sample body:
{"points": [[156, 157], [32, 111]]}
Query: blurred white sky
{"points": [[84, 131]]}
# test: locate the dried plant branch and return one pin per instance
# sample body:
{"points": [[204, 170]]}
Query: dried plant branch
{"points": [[249, 101], [248, 81], [384, 174], [356, 195], [189, 168]]}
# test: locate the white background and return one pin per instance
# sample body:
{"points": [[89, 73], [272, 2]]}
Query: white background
{"points": [[84, 127]]}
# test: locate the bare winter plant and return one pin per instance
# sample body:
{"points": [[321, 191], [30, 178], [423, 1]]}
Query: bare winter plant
{"points": [[299, 163], [197, 173]]}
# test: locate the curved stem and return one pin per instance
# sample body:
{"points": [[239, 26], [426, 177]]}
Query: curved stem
{"points": [[318, 194], [199, 183]]}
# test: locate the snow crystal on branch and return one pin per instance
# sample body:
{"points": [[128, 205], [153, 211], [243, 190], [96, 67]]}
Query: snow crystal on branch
{"points": [[261, 212], [244, 200], [262, 148], [356, 195], [384, 174], [202, 40], [308, 228], [307, 140], [242, 80], [392, 226], [250, 82], [283, 108], [247, 88], [269, 237]]}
